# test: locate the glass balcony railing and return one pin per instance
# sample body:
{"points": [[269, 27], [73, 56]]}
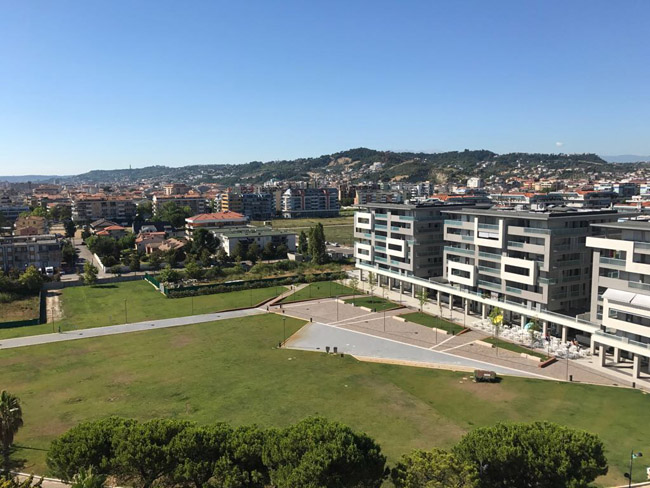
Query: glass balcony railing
{"points": [[515, 244], [489, 284], [511, 289], [488, 226], [612, 261], [639, 286], [456, 223], [459, 250], [533, 230], [490, 255]]}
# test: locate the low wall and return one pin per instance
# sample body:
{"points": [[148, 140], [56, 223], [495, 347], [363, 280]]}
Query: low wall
{"points": [[58, 285]]}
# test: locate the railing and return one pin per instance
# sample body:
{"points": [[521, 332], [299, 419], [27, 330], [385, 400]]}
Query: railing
{"points": [[407, 218], [612, 261], [490, 255], [642, 245], [380, 259], [381, 215], [459, 250], [453, 222], [487, 269], [380, 238], [396, 263], [512, 289], [397, 229], [515, 244], [570, 262], [380, 226], [488, 226], [533, 230], [547, 281], [623, 340], [639, 286], [489, 284], [571, 279], [467, 238]]}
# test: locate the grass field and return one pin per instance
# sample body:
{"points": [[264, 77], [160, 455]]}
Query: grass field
{"points": [[431, 321], [23, 309], [230, 371], [135, 301], [376, 303], [513, 347], [337, 229], [321, 289]]}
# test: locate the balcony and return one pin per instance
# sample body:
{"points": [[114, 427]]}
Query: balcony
{"points": [[381, 260], [454, 223], [487, 269], [489, 284], [511, 289], [639, 286], [459, 250], [381, 227], [533, 230], [490, 255], [612, 261], [406, 218], [515, 244], [488, 226]]}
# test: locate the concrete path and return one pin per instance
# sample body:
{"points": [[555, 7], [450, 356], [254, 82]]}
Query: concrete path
{"points": [[126, 328], [316, 336]]}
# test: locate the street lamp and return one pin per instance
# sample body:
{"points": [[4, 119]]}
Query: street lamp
{"points": [[633, 456], [126, 317], [284, 330]]}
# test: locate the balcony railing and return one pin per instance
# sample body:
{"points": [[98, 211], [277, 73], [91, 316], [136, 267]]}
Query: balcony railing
{"points": [[490, 255], [622, 340], [512, 289], [380, 226], [533, 230], [489, 284], [455, 223], [487, 269], [459, 250], [639, 286], [612, 261], [515, 244], [488, 226]]}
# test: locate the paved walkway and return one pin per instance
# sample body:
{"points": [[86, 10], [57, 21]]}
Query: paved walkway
{"points": [[126, 328]]}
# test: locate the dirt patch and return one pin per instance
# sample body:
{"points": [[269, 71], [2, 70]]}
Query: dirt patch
{"points": [[182, 341], [486, 391], [53, 306]]}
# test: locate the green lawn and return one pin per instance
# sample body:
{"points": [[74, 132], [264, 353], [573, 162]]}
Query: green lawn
{"points": [[337, 229], [23, 309], [376, 303], [321, 289], [513, 347], [230, 371], [135, 301], [431, 321]]}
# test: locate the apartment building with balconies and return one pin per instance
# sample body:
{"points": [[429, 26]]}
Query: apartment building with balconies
{"points": [[310, 202], [620, 293], [87, 208], [538, 259], [403, 239], [20, 252]]}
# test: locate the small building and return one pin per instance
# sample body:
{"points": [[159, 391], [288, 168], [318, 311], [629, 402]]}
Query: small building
{"points": [[30, 225], [214, 221], [147, 242], [229, 238], [114, 231]]}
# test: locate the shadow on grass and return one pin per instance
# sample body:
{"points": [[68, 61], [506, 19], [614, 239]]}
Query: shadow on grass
{"points": [[104, 286]]}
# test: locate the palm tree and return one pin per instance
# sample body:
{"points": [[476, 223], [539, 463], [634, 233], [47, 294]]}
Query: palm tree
{"points": [[11, 419]]}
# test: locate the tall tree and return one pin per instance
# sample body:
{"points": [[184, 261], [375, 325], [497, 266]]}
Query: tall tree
{"points": [[433, 469], [203, 239], [70, 228], [143, 451], [90, 273], [317, 452], [317, 249], [31, 279], [11, 420], [303, 246], [540, 454]]}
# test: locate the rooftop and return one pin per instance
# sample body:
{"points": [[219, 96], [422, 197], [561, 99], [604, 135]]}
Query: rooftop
{"points": [[207, 217], [558, 212], [253, 232], [626, 225]]}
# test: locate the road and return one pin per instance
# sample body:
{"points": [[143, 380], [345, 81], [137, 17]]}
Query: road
{"points": [[126, 328]]}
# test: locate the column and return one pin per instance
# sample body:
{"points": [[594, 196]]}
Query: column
{"points": [[413, 291], [483, 310], [401, 286], [523, 321], [451, 302], [438, 298], [565, 329], [592, 347], [617, 355], [601, 353], [544, 328], [636, 366]]}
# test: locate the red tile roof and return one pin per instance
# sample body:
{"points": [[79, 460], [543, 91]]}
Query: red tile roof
{"points": [[227, 215]]}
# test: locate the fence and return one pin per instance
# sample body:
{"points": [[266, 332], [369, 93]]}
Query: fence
{"points": [[41, 319], [213, 288], [58, 285]]}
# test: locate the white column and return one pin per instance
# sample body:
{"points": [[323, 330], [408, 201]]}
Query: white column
{"points": [[413, 291], [451, 302], [617, 355], [438, 298], [523, 321], [401, 286], [565, 329], [602, 354], [544, 328], [592, 347], [636, 366], [483, 310]]}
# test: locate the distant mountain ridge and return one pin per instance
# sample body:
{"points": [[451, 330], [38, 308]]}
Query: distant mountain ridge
{"points": [[26, 178], [358, 162], [627, 158]]}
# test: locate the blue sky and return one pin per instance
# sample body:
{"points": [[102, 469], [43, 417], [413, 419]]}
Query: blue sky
{"points": [[87, 85]]}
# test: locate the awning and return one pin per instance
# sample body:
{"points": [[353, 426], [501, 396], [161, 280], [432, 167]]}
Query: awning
{"points": [[641, 301], [618, 295]]}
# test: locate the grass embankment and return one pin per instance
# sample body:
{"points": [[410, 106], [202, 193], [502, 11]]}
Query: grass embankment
{"points": [[229, 371], [21, 308], [433, 322], [136, 301], [321, 289], [513, 347], [337, 229], [375, 303]]}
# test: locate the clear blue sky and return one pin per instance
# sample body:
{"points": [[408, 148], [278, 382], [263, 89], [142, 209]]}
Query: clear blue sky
{"points": [[90, 84]]}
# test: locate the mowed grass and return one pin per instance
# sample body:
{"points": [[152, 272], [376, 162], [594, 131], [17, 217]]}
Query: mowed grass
{"points": [[321, 289], [136, 301], [337, 229], [375, 303], [24, 309], [230, 371], [433, 322], [510, 346]]}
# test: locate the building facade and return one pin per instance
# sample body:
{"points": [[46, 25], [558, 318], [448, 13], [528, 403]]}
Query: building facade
{"points": [[20, 252], [214, 221], [87, 208], [310, 202], [229, 238]]}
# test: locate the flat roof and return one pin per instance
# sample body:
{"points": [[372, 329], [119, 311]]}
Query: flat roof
{"points": [[252, 232], [412, 206], [626, 225], [553, 213]]}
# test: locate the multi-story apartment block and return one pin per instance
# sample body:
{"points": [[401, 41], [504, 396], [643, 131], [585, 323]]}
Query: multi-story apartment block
{"points": [[310, 202], [214, 221], [255, 206], [194, 200], [230, 237], [624, 190], [87, 208], [402, 239], [535, 258], [20, 252], [620, 293], [365, 195]]}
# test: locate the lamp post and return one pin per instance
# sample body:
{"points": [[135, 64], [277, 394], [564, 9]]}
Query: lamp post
{"points": [[337, 308], [633, 456], [284, 330], [126, 316]]}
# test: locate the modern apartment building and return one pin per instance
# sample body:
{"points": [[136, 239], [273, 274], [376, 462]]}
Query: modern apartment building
{"points": [[535, 258], [194, 200], [310, 202], [87, 208], [230, 237], [255, 206], [402, 239], [620, 293], [363, 196], [214, 221], [20, 252]]}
